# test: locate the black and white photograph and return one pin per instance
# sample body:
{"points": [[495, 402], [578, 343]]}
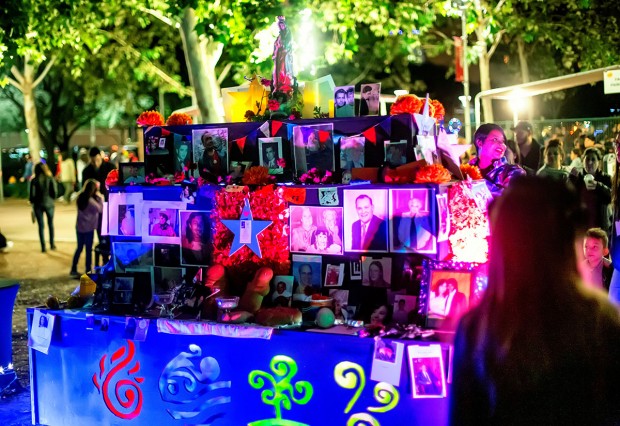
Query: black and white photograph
{"points": [[132, 173], [377, 272], [167, 255], [307, 273], [344, 101], [124, 213], [334, 275], [412, 227], [395, 153], [270, 154], [316, 229], [356, 270], [182, 155], [132, 256], [210, 148], [314, 147], [195, 237], [160, 221], [282, 290], [369, 99], [365, 220], [352, 152]]}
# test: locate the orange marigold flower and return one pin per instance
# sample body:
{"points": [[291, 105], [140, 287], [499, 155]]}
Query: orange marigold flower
{"points": [[410, 104], [257, 175], [439, 110], [179, 119], [434, 173], [150, 118], [472, 171]]}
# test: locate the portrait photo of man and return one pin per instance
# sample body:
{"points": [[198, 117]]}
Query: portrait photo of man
{"points": [[132, 173], [307, 274], [344, 101], [352, 152], [182, 156], [395, 153], [211, 152], [365, 226], [412, 227], [270, 151]]}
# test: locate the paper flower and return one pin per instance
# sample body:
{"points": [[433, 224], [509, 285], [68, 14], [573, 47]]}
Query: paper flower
{"points": [[407, 104], [439, 111], [257, 175], [112, 178], [471, 171], [434, 173], [273, 105], [179, 119], [315, 175], [150, 118]]}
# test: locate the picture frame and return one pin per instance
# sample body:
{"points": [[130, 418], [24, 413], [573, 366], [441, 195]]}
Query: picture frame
{"points": [[132, 255], [316, 229], [160, 221], [447, 291], [159, 155], [413, 226], [210, 151], [334, 275], [196, 237], [132, 173], [377, 272], [370, 94], [344, 101], [365, 209], [125, 214], [426, 366], [123, 290], [282, 290], [166, 255], [314, 147], [269, 154], [307, 272], [395, 153], [352, 152]]}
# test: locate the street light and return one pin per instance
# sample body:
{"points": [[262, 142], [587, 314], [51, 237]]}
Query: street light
{"points": [[518, 100]]}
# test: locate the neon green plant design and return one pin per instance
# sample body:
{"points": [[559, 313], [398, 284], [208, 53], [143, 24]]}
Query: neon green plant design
{"points": [[351, 376], [282, 392]]}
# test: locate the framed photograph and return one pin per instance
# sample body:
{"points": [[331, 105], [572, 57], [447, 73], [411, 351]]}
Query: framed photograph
{"points": [[334, 274], [160, 221], [269, 152], [404, 308], [195, 237], [307, 273], [182, 155], [444, 217], [377, 272], [167, 255], [356, 270], [352, 152], [448, 291], [123, 290], [132, 256], [369, 99], [344, 101], [412, 223], [387, 361], [314, 147], [158, 155], [167, 280], [316, 229], [427, 371], [124, 214], [282, 290], [132, 173], [365, 220], [188, 192], [238, 169], [395, 153], [210, 148]]}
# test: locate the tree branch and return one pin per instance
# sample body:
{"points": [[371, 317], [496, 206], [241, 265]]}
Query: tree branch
{"points": [[498, 38], [361, 75], [15, 84], [17, 74], [47, 69], [224, 73], [157, 14], [498, 6]]}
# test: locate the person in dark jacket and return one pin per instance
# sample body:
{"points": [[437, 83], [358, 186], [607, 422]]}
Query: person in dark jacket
{"points": [[42, 195]]}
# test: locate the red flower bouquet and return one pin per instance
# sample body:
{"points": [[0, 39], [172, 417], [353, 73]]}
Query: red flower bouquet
{"points": [[150, 118]]}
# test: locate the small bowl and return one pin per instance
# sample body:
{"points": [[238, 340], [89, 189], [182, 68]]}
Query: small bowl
{"points": [[322, 303], [227, 302]]}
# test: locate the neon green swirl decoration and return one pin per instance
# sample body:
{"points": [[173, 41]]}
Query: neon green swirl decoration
{"points": [[387, 395], [281, 392], [360, 419], [349, 376]]}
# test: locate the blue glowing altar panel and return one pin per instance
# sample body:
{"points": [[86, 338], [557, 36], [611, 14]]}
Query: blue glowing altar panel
{"points": [[97, 376]]}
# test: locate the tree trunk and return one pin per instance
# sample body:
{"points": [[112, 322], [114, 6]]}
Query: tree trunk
{"points": [[202, 56], [30, 113], [525, 70], [485, 82]]}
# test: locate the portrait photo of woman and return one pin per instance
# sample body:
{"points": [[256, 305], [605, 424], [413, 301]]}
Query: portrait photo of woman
{"points": [[195, 237], [376, 272]]}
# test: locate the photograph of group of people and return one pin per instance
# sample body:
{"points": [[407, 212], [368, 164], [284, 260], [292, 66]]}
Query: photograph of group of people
{"points": [[316, 229]]}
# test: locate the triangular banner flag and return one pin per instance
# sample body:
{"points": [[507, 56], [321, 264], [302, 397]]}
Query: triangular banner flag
{"points": [[265, 129], [275, 126], [324, 136], [241, 143], [370, 134]]}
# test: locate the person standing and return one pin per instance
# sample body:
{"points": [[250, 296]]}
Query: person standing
{"points": [[67, 176], [531, 151], [90, 206], [80, 165], [42, 196], [98, 170]]}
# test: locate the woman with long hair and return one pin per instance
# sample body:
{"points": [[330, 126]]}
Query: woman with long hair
{"points": [[375, 275], [42, 195], [195, 242], [90, 206], [540, 348]]}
